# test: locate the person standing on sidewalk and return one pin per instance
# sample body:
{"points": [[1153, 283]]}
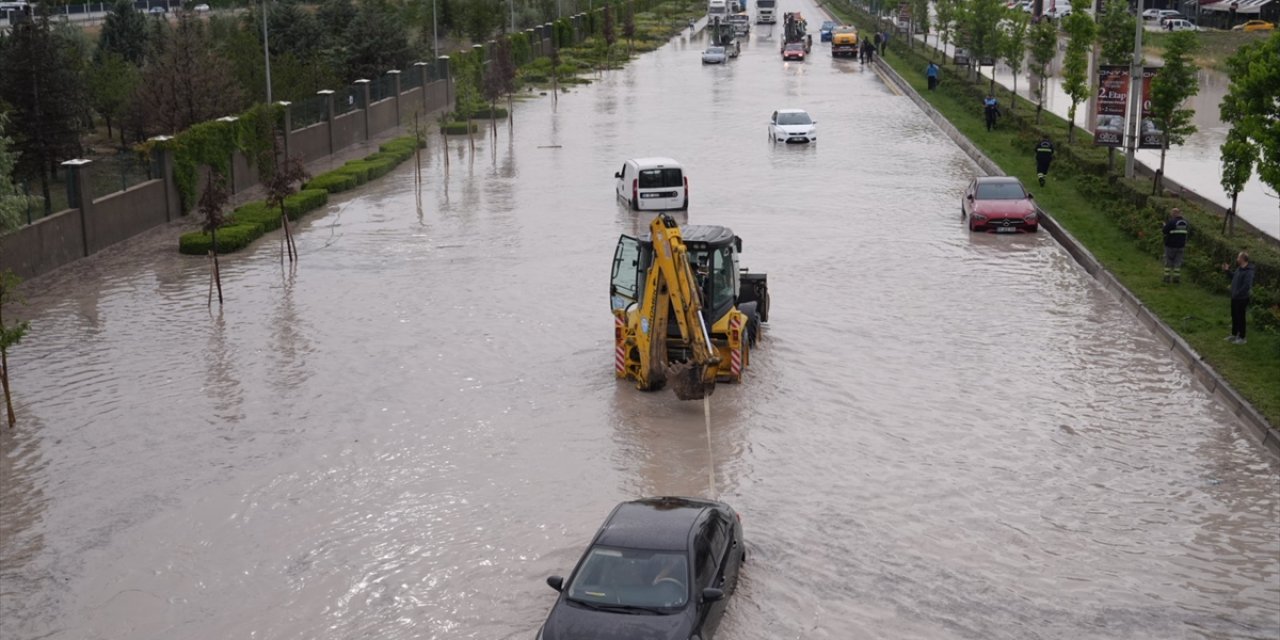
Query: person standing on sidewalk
{"points": [[931, 72], [1241, 288], [1044, 157], [1175, 233]]}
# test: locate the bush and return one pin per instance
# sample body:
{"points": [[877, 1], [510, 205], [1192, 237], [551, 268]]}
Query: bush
{"points": [[304, 201], [230, 238], [332, 181], [358, 169], [496, 113]]}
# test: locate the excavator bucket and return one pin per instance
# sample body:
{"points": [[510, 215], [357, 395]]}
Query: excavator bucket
{"points": [[689, 381]]}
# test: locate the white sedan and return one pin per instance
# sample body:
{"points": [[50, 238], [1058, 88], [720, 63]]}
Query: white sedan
{"points": [[793, 126]]}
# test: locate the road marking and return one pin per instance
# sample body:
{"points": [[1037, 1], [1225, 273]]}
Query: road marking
{"points": [[889, 83]]}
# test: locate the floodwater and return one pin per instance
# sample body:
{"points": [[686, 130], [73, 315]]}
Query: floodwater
{"points": [[941, 436]]}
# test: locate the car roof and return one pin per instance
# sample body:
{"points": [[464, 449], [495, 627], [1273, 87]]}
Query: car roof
{"points": [[792, 111], [661, 523], [696, 234], [656, 161]]}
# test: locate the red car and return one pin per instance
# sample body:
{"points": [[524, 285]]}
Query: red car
{"points": [[793, 51], [1000, 204]]}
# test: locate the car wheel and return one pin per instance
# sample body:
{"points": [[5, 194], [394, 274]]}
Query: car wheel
{"points": [[1035, 228], [635, 205]]}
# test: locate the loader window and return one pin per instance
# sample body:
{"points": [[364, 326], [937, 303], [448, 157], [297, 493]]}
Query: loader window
{"points": [[626, 272], [723, 278]]}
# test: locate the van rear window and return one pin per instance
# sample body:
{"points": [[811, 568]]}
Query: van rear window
{"points": [[661, 178]]}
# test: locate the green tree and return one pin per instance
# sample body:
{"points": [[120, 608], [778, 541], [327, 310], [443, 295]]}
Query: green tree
{"points": [[1238, 158], [111, 84], [213, 201], [1080, 30], [1250, 105], [629, 26], [982, 31], [1043, 46], [1115, 33], [124, 33], [919, 20], [336, 15], [43, 86], [946, 16], [1170, 89], [10, 335], [12, 202], [480, 18], [378, 41], [1014, 53]]}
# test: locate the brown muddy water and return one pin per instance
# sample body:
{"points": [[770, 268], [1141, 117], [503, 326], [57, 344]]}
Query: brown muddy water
{"points": [[942, 436]]}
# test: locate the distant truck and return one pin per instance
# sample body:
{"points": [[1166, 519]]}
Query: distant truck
{"points": [[844, 42], [766, 11], [717, 11], [741, 24], [796, 29]]}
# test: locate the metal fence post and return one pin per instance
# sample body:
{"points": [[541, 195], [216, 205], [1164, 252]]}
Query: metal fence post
{"points": [[78, 196]]}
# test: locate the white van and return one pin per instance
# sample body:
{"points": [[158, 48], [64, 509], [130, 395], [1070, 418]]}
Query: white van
{"points": [[653, 184]]}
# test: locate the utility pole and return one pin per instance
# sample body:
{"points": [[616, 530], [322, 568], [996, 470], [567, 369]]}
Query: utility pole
{"points": [[435, 33], [1135, 96], [513, 15], [266, 49]]}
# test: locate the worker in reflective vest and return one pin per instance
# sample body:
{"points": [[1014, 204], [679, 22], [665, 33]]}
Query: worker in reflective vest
{"points": [[1175, 232], [1044, 157]]}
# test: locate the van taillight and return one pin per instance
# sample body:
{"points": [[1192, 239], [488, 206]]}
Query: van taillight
{"points": [[635, 191]]}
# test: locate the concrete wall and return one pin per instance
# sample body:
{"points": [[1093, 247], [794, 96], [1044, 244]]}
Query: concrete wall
{"points": [[44, 245], [411, 101], [1265, 433], [125, 214], [348, 129], [312, 143], [245, 175], [382, 116]]}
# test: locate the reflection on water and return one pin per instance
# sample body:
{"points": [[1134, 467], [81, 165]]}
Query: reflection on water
{"points": [[941, 435]]}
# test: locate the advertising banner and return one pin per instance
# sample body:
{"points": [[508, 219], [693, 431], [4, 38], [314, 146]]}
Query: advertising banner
{"points": [[1149, 137], [1112, 105]]}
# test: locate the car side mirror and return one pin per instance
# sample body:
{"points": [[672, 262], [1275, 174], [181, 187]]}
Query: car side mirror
{"points": [[970, 196], [556, 582], [1030, 196], [712, 595], [617, 174]]}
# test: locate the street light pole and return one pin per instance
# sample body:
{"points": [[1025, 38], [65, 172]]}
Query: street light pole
{"points": [[266, 49], [435, 33], [513, 15], [1135, 96]]}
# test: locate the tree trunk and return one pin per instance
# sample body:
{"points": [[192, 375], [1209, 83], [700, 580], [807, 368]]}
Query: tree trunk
{"points": [[4, 382], [107, 121], [1071, 131], [493, 120], [1157, 182], [1013, 99]]}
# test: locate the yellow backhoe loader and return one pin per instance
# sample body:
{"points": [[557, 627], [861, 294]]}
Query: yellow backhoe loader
{"points": [[683, 311]]}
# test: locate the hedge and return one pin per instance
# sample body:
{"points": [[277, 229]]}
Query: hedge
{"points": [[250, 221], [458, 128]]}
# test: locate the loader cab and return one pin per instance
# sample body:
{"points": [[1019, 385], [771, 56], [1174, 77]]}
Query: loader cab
{"points": [[713, 251]]}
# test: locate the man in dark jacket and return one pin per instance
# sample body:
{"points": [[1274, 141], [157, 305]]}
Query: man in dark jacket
{"points": [[1241, 287], [1175, 232], [1044, 157]]}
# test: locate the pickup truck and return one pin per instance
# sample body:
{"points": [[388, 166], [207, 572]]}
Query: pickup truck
{"points": [[844, 42]]}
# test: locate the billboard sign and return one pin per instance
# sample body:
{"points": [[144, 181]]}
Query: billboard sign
{"points": [[1112, 105], [1149, 136]]}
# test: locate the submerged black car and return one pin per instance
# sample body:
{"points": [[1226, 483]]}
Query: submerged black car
{"points": [[658, 569]]}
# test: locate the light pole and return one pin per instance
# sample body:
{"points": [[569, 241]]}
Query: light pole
{"points": [[1135, 95], [266, 49], [513, 15], [435, 33]]}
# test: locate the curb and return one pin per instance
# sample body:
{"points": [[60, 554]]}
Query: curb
{"points": [[1219, 388]]}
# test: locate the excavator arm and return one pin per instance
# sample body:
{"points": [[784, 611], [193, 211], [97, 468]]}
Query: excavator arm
{"points": [[671, 284]]}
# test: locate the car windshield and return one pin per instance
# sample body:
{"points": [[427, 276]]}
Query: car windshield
{"points": [[795, 46], [661, 178], [1000, 191], [639, 578], [794, 118], [828, 25], [715, 50]]}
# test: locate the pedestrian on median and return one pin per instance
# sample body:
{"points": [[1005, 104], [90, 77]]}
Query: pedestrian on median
{"points": [[991, 110], [1241, 288], [1175, 233], [931, 72], [1044, 157]]}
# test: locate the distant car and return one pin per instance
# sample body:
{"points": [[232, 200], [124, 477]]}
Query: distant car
{"points": [[658, 569], [793, 126], [1000, 204], [1178, 24], [1254, 25], [1154, 15], [1058, 12], [824, 33], [1164, 19], [201, 8], [157, 10], [714, 55], [19, 5], [793, 51]]}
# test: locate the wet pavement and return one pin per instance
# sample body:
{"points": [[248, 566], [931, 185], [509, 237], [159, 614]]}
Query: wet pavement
{"points": [[942, 435]]}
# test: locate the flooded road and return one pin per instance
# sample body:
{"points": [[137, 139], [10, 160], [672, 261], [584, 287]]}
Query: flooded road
{"points": [[942, 435]]}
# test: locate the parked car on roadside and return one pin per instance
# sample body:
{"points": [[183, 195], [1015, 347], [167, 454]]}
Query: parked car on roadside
{"points": [[201, 8], [157, 10], [1254, 25], [658, 569], [1000, 204], [1179, 24], [1154, 15]]}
